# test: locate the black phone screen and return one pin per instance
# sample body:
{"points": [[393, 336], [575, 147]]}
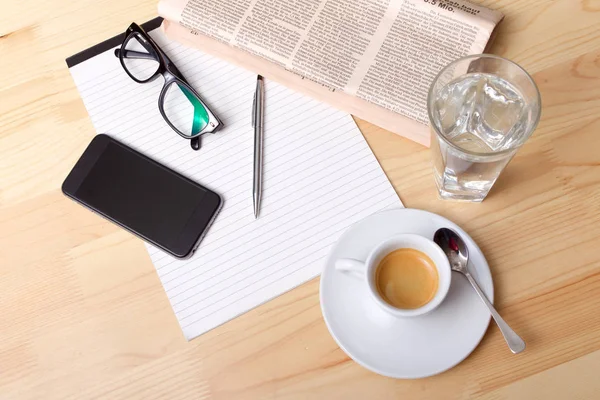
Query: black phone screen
{"points": [[145, 197]]}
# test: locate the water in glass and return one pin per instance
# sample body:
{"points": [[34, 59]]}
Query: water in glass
{"points": [[485, 116]]}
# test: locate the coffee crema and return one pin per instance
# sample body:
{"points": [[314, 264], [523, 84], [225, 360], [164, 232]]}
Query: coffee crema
{"points": [[406, 278]]}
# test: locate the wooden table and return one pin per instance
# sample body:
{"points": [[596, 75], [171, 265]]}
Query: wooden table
{"points": [[83, 314]]}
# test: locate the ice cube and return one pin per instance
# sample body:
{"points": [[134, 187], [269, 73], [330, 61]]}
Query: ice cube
{"points": [[499, 111], [482, 105]]}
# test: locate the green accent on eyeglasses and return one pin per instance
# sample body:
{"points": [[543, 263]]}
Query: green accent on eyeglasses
{"points": [[200, 113]]}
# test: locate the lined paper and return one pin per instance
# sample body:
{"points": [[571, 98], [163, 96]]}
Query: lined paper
{"points": [[320, 177]]}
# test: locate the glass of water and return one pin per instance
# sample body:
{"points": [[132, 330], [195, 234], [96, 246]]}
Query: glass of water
{"points": [[482, 108]]}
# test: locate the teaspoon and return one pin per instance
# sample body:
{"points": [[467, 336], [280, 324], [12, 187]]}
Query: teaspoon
{"points": [[458, 255]]}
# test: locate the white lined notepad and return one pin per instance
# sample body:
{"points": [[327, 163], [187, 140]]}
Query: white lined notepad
{"points": [[319, 178]]}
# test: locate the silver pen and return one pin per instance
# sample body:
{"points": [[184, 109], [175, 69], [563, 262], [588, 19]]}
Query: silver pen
{"points": [[257, 122]]}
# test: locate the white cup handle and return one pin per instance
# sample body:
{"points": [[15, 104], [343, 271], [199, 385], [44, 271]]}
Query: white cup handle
{"points": [[354, 267]]}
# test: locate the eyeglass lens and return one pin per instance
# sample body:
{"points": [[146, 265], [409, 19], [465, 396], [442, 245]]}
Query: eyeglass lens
{"points": [[139, 58], [184, 110]]}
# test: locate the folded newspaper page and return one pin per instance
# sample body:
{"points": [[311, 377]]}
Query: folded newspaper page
{"points": [[374, 59]]}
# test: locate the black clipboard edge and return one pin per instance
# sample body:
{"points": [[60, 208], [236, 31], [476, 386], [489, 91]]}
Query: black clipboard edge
{"points": [[108, 44]]}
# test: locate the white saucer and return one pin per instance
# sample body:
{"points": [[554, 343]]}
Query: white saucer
{"points": [[409, 347]]}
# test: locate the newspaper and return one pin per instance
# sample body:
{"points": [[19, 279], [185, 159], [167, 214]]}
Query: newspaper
{"points": [[372, 58]]}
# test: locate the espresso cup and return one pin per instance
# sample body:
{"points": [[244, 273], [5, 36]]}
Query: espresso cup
{"points": [[367, 270]]}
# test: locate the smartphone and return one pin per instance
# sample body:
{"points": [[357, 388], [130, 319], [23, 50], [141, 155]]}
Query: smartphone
{"points": [[148, 199]]}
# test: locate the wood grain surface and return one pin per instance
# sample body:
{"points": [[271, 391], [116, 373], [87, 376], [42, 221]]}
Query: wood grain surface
{"points": [[83, 314]]}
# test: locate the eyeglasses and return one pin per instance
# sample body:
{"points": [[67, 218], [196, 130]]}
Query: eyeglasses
{"points": [[179, 104]]}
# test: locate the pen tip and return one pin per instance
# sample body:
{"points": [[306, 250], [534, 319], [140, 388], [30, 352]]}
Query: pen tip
{"points": [[259, 77], [256, 211]]}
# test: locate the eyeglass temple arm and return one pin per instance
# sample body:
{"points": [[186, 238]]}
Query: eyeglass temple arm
{"points": [[134, 54], [147, 56]]}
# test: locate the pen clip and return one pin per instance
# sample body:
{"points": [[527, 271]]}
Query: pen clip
{"points": [[254, 110]]}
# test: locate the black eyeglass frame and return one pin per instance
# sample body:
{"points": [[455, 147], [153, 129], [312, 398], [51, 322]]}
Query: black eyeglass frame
{"points": [[172, 75]]}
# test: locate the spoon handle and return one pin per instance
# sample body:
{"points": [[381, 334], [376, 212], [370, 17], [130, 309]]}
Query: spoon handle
{"points": [[514, 341]]}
